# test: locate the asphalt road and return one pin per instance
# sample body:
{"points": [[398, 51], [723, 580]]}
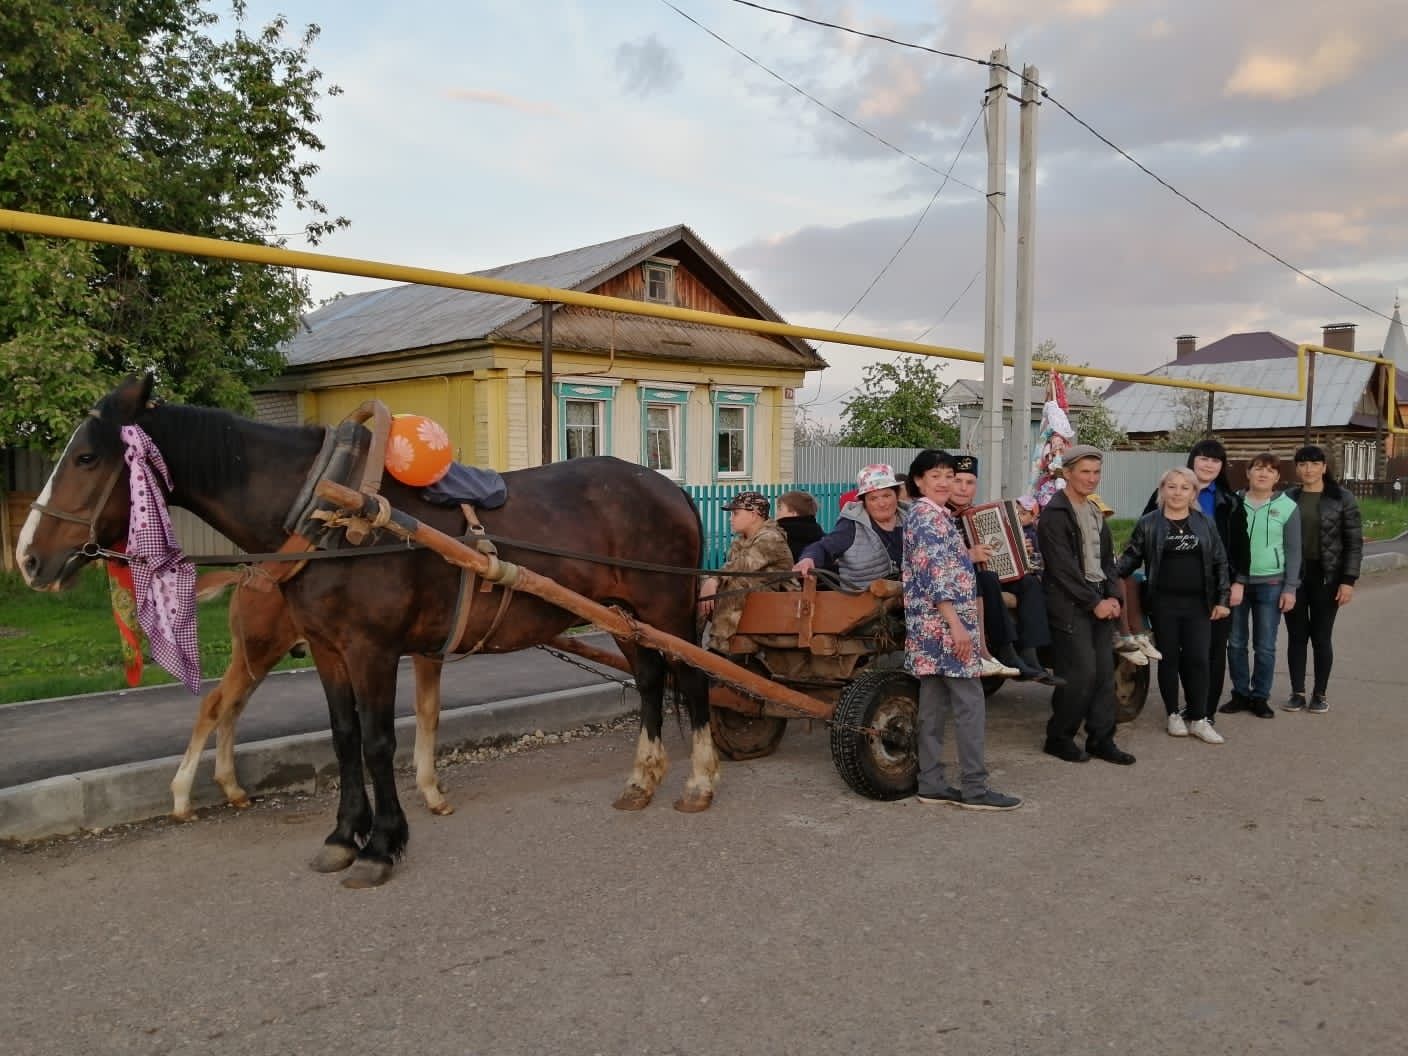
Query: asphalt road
{"points": [[68, 735], [1249, 898]]}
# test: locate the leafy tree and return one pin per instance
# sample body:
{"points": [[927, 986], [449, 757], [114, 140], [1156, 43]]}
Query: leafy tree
{"points": [[149, 113], [1190, 421], [898, 406], [809, 432], [1096, 424]]}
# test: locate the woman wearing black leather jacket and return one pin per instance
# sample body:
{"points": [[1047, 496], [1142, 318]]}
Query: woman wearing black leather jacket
{"points": [[1188, 589], [1332, 540]]}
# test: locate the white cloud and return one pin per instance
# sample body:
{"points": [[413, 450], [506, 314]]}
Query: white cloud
{"points": [[1282, 76]]}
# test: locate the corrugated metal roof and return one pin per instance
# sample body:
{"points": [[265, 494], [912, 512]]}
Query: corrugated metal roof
{"points": [[405, 317], [1339, 385], [402, 318], [638, 335], [1234, 348]]}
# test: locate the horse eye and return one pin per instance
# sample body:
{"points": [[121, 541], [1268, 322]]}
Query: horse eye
{"points": [[86, 459]]}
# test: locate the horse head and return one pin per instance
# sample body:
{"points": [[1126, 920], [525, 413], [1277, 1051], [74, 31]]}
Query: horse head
{"points": [[83, 509]]}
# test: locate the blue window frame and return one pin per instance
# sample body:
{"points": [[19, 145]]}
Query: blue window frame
{"points": [[583, 418]]}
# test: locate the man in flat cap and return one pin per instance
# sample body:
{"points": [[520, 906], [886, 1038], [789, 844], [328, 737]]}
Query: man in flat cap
{"points": [[759, 546], [1014, 646], [1082, 595]]}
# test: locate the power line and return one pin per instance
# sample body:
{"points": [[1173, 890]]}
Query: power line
{"points": [[907, 239], [1046, 94], [807, 95]]}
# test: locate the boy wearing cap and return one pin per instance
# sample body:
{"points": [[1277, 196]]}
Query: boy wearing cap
{"points": [[759, 546], [1082, 594]]}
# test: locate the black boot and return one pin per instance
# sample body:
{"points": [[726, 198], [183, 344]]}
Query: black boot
{"points": [[1066, 750], [1235, 703], [1109, 751], [1009, 656], [1046, 678]]}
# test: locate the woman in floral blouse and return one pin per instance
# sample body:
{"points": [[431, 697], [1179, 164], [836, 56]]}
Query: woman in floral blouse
{"points": [[941, 634]]}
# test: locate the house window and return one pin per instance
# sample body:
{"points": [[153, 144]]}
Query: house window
{"points": [[584, 418], [583, 434], [733, 433], [1360, 458], [662, 438], [659, 281]]}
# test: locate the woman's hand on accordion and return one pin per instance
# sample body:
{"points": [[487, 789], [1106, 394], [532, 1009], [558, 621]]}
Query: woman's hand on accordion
{"points": [[980, 553]]}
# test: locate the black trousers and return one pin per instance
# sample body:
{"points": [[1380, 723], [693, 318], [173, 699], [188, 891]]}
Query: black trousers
{"points": [[1218, 633], [1312, 622], [1032, 629], [1083, 655], [1183, 631]]}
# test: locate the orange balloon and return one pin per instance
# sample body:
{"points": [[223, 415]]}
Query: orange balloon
{"points": [[417, 450]]}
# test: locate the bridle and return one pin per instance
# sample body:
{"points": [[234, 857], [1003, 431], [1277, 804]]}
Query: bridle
{"points": [[90, 549]]}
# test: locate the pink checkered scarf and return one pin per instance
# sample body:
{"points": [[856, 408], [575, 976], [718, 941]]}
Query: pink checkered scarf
{"points": [[163, 580]]}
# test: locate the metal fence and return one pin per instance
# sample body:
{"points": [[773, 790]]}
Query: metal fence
{"points": [[718, 535]]}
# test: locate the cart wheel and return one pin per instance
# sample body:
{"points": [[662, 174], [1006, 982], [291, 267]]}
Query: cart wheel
{"points": [[991, 684], [882, 766], [1131, 690], [738, 736]]}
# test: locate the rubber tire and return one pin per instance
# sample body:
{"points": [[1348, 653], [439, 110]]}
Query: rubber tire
{"points": [[1131, 689], [739, 737], [875, 769]]}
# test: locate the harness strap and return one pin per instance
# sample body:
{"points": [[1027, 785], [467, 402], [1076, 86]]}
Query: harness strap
{"points": [[267, 575], [464, 603]]}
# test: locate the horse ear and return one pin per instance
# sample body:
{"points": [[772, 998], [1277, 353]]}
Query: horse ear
{"points": [[127, 402]]}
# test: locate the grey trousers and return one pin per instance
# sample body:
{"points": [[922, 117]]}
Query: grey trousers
{"points": [[939, 694]]}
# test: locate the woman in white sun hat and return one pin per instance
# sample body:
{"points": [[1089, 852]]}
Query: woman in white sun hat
{"points": [[868, 540]]}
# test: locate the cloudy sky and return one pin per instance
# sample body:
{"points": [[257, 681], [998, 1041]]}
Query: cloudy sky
{"points": [[507, 130]]}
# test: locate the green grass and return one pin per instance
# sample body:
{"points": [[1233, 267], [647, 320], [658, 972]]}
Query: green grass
{"points": [[1121, 528], [1384, 519], [54, 645]]}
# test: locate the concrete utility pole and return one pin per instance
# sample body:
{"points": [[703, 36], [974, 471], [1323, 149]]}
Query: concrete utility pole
{"points": [[990, 469], [1019, 434]]}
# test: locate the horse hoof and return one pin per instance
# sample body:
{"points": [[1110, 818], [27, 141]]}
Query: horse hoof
{"points": [[183, 815], [694, 802], [240, 802], [440, 809], [634, 798], [367, 872], [333, 858]]}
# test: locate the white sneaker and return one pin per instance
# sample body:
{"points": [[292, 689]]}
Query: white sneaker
{"points": [[1129, 650], [1146, 646], [1176, 726], [992, 668], [1205, 732]]}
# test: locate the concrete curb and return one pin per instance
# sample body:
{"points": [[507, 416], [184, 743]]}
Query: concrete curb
{"points": [[116, 795], [1375, 563]]}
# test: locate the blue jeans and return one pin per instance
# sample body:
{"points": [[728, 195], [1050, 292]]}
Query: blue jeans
{"points": [[1260, 614]]}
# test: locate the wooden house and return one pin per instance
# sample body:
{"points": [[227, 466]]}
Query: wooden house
{"points": [[701, 404], [1347, 402]]}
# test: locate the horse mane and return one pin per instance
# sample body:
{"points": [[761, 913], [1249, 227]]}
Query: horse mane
{"points": [[208, 444]]}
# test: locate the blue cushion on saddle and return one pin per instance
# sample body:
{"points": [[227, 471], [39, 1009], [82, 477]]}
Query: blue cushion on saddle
{"points": [[482, 488]]}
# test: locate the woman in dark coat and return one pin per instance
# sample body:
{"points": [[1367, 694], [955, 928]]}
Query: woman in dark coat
{"points": [[1332, 540]]}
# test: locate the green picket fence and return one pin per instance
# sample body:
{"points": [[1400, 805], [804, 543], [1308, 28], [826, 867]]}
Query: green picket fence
{"points": [[717, 534]]}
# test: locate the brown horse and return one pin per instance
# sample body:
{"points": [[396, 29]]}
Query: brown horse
{"points": [[362, 613], [261, 634]]}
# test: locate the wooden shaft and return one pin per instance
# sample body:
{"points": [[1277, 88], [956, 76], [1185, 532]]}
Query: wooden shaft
{"points": [[610, 620]]}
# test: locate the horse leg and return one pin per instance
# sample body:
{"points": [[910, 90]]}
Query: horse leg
{"points": [[693, 686], [209, 715], [375, 684], [354, 813], [427, 722], [651, 760]]}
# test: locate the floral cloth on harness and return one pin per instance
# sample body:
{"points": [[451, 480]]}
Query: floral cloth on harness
{"points": [[937, 568], [162, 579]]}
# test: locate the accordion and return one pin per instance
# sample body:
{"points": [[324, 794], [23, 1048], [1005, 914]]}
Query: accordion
{"points": [[997, 526]]}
